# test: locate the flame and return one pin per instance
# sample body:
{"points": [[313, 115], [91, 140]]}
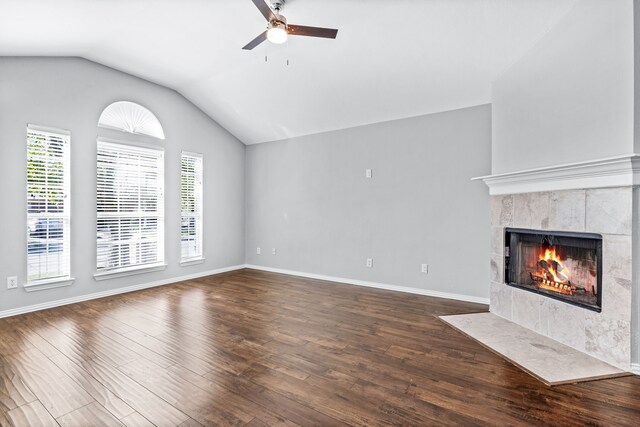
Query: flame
{"points": [[551, 255]]}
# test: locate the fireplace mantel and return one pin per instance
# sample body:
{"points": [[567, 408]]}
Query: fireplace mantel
{"points": [[619, 171]]}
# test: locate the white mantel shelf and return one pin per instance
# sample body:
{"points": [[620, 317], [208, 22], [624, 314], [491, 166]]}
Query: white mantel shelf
{"points": [[619, 171]]}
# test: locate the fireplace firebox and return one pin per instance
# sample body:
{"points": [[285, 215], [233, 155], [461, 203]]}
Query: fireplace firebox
{"points": [[563, 265]]}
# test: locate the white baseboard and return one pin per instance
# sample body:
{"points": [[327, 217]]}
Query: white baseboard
{"points": [[635, 368], [417, 291], [81, 298]]}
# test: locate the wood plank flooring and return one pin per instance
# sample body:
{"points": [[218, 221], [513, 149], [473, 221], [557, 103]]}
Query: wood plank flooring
{"points": [[250, 348]]}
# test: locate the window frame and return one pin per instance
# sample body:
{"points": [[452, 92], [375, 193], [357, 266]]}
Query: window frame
{"points": [[64, 278], [140, 268], [198, 200]]}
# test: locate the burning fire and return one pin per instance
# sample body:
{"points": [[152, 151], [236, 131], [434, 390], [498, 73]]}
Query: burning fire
{"points": [[550, 261], [555, 276]]}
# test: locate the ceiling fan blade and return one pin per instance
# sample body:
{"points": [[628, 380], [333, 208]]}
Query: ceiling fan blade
{"points": [[255, 42], [264, 9], [301, 30]]}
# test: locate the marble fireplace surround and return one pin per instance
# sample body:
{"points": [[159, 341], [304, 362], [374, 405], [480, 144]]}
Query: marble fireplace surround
{"points": [[607, 211]]}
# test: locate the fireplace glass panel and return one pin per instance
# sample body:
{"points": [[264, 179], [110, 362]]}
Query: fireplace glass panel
{"points": [[560, 265]]}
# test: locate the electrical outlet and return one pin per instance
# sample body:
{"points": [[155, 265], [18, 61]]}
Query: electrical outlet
{"points": [[12, 282], [370, 262], [425, 268], [368, 173], [258, 251], [274, 251]]}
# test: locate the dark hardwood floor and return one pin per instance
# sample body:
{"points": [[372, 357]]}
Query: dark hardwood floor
{"points": [[254, 348]]}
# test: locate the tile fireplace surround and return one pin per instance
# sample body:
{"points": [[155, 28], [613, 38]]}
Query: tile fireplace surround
{"points": [[607, 211]]}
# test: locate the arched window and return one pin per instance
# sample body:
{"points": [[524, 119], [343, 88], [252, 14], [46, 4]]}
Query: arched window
{"points": [[130, 194], [131, 117]]}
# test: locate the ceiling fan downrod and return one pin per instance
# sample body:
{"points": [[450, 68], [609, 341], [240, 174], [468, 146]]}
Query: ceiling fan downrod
{"points": [[277, 6]]}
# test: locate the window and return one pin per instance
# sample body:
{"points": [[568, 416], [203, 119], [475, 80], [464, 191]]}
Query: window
{"points": [[48, 249], [132, 118], [130, 207], [191, 207]]}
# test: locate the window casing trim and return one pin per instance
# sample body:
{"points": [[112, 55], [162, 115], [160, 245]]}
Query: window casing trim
{"points": [[131, 143], [42, 285], [48, 130], [192, 261], [129, 271]]}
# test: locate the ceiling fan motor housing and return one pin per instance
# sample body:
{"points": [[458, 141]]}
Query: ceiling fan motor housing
{"points": [[279, 22]]}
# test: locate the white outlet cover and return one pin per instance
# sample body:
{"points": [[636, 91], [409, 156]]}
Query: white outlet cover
{"points": [[258, 251], [369, 262], [274, 251], [424, 268], [12, 282], [368, 173]]}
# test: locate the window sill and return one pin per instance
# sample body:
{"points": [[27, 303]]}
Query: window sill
{"points": [[192, 261], [123, 272], [42, 285]]}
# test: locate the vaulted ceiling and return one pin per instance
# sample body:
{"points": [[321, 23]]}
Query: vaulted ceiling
{"points": [[392, 58]]}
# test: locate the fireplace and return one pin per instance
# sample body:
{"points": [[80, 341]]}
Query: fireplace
{"points": [[566, 266]]}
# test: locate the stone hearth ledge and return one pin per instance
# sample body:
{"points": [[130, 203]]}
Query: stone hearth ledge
{"points": [[549, 361]]}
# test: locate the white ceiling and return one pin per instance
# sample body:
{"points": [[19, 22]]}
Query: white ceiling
{"points": [[392, 58]]}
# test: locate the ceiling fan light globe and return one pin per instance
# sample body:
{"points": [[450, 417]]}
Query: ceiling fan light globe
{"points": [[277, 35]]}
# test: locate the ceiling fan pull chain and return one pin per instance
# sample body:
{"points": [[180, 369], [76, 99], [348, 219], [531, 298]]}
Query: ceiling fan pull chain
{"points": [[266, 53]]}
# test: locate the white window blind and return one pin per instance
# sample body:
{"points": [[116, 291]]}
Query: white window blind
{"points": [[130, 206], [191, 207], [48, 248]]}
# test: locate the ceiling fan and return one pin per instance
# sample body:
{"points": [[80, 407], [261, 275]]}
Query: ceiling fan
{"points": [[278, 30]]}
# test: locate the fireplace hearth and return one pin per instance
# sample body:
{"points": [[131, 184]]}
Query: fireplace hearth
{"points": [[566, 266]]}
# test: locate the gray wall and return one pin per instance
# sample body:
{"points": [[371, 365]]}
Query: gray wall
{"points": [[308, 197], [570, 98], [70, 93]]}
